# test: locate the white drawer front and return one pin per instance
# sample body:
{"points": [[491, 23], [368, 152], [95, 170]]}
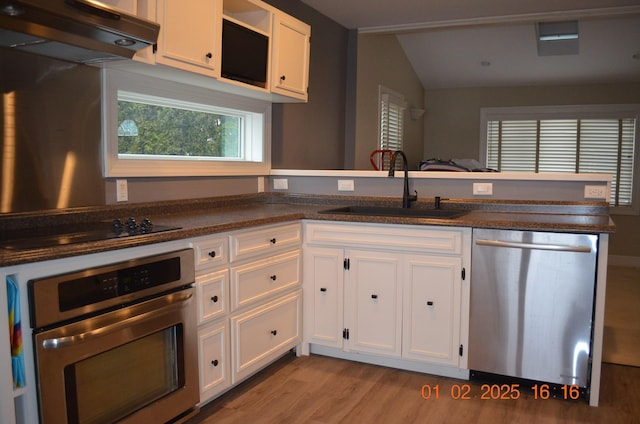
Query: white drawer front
{"points": [[211, 252], [212, 292], [264, 241], [386, 237], [258, 280], [214, 360], [262, 334]]}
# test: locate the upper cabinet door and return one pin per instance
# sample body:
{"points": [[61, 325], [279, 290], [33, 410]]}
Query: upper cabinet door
{"points": [[190, 34], [291, 46]]}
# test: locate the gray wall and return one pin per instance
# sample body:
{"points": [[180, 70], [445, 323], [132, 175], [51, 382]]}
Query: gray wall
{"points": [[446, 188], [452, 117], [382, 61], [452, 128], [312, 135]]}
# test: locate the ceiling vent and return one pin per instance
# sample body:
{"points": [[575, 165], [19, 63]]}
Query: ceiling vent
{"points": [[557, 38]]}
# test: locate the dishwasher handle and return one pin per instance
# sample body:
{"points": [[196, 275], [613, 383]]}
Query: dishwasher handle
{"points": [[534, 246]]}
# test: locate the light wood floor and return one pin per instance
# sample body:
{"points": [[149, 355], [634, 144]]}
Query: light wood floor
{"points": [[621, 344], [322, 390]]}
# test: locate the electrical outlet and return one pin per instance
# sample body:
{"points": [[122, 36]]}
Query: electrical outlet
{"points": [[345, 185], [483, 189], [595, 192], [122, 192], [281, 184]]}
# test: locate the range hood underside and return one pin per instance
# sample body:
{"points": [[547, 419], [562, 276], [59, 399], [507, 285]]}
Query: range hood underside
{"points": [[77, 36]]}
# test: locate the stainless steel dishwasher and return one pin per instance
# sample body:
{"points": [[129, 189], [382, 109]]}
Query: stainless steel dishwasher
{"points": [[532, 297]]}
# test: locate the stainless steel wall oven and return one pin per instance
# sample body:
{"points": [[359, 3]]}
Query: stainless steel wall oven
{"points": [[117, 343]]}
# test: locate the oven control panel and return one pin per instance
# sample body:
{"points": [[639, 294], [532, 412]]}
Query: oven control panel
{"points": [[67, 296], [92, 289]]}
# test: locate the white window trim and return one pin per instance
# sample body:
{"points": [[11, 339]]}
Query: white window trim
{"points": [[114, 165], [396, 98], [613, 111]]}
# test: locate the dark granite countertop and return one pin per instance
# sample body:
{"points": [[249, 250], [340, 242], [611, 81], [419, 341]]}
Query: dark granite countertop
{"points": [[209, 216]]}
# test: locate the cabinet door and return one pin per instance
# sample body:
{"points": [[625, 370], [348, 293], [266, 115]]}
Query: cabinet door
{"points": [[260, 335], [211, 252], [373, 302], [432, 309], [212, 292], [213, 357], [323, 295], [258, 280], [290, 75], [264, 241], [190, 34]]}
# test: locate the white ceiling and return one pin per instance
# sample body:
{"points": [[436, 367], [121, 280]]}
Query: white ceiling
{"points": [[447, 41]]}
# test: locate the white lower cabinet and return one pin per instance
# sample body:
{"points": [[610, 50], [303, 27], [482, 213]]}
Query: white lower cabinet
{"points": [[249, 302], [373, 295], [262, 334], [431, 310], [387, 291], [324, 295], [213, 351], [258, 280]]}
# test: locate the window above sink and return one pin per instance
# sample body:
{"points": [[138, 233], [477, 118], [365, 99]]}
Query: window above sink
{"points": [[154, 128]]}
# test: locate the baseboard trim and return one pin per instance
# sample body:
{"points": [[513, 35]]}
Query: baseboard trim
{"points": [[625, 261]]}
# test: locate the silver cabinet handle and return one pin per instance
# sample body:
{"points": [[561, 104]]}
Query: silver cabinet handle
{"points": [[534, 246]]}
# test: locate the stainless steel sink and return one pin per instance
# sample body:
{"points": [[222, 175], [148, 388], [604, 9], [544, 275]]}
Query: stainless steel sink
{"points": [[396, 212]]}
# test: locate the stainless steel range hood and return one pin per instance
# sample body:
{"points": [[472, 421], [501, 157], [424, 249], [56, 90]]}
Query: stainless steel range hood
{"points": [[83, 31]]}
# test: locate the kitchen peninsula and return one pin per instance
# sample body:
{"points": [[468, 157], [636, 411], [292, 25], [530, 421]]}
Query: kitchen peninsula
{"points": [[208, 217]]}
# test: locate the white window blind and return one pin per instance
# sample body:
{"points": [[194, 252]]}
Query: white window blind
{"points": [[566, 145], [391, 109]]}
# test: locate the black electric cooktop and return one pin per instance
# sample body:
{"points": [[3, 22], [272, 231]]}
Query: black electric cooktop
{"points": [[90, 232]]}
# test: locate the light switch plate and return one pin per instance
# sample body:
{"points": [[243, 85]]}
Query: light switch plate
{"points": [[281, 184], [122, 191], [260, 184], [345, 185], [595, 192], [483, 189]]}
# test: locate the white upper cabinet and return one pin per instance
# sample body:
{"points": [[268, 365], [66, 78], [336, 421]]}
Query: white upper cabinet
{"points": [[190, 35], [291, 46], [267, 52]]}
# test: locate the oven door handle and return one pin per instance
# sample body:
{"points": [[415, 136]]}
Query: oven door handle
{"points": [[165, 301]]}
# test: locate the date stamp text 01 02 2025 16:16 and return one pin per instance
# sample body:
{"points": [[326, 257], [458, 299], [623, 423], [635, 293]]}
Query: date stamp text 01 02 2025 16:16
{"points": [[499, 392]]}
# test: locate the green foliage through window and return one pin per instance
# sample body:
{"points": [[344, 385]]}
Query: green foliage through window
{"points": [[173, 131]]}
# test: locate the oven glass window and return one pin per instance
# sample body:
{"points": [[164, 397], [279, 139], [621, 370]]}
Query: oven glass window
{"points": [[118, 382]]}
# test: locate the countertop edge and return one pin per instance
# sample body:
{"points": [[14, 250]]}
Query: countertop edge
{"points": [[250, 211]]}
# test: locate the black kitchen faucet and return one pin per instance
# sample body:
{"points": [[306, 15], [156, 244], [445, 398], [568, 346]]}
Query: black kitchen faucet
{"points": [[406, 197]]}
